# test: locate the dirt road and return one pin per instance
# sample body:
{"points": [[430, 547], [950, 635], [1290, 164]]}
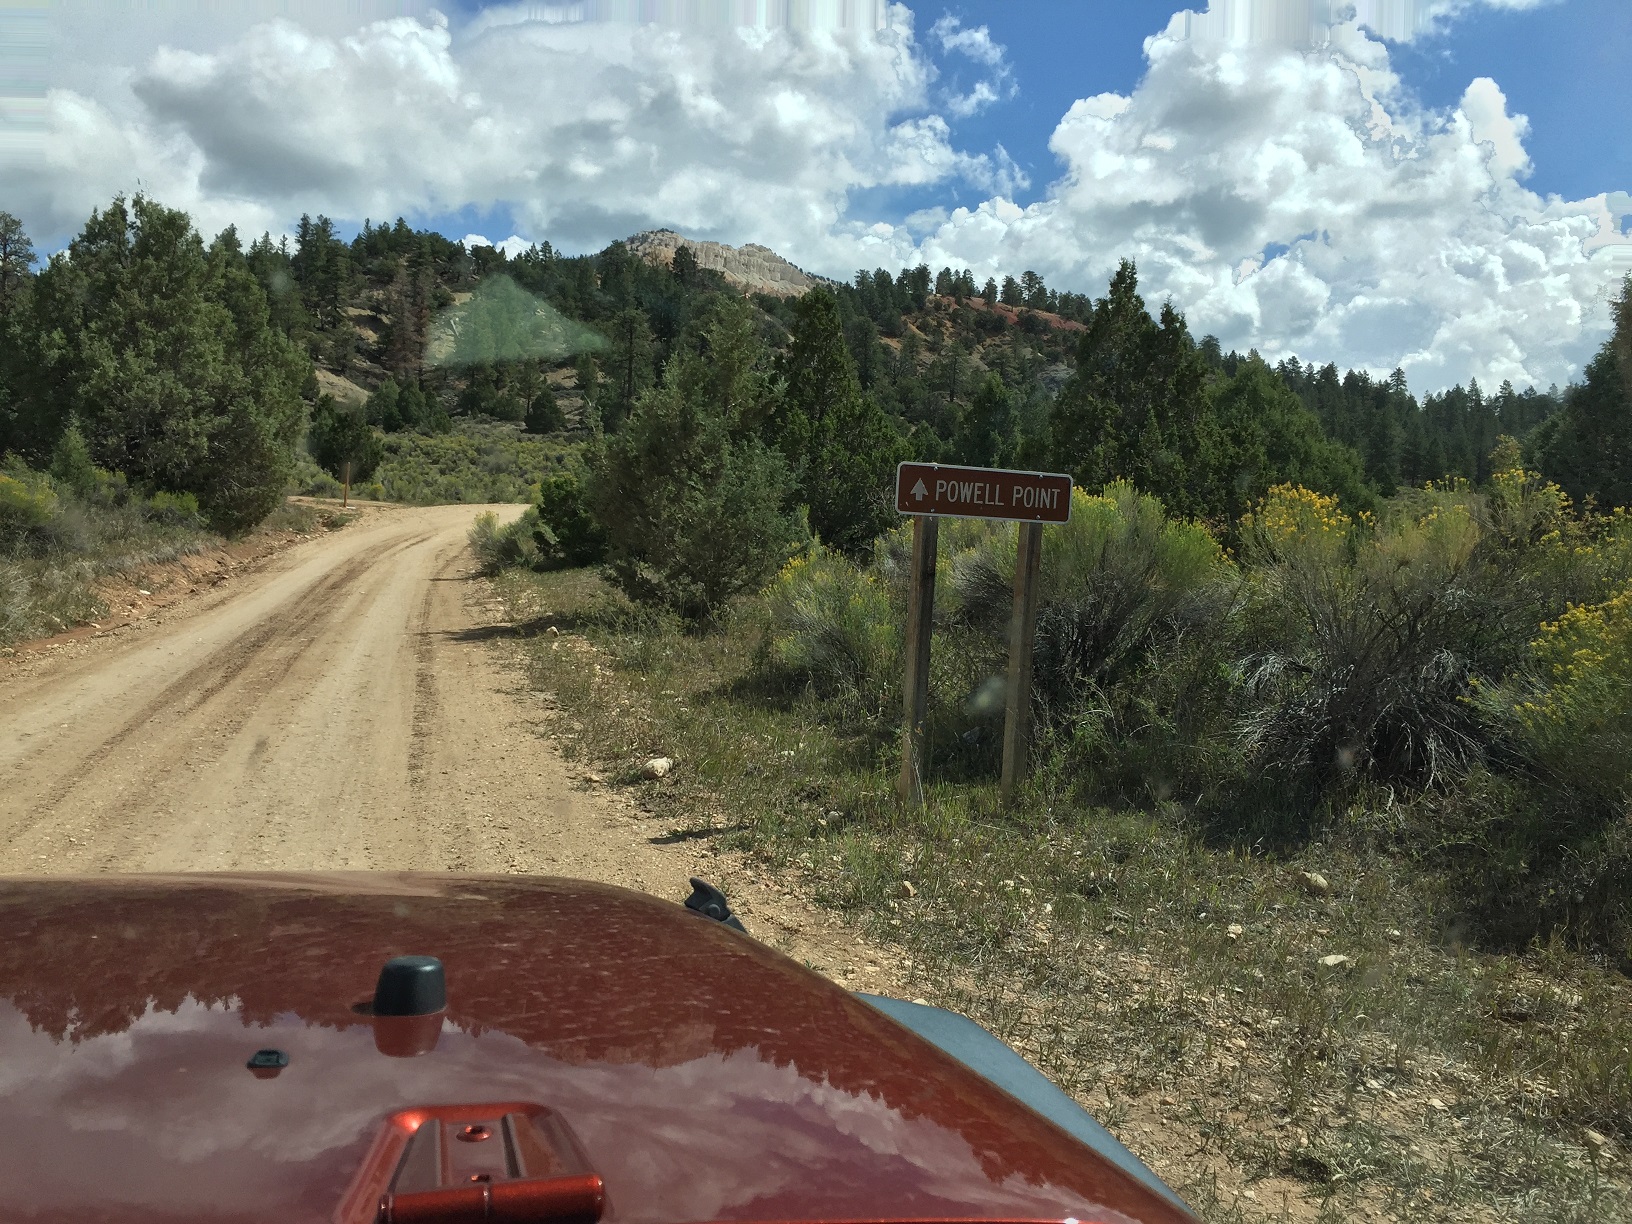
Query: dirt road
{"points": [[345, 705]]}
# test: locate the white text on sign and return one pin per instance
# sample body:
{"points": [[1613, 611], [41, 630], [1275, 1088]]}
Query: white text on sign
{"points": [[991, 493], [983, 493]]}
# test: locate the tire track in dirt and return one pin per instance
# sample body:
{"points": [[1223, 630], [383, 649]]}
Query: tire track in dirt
{"points": [[180, 723], [254, 673], [426, 705], [216, 673]]}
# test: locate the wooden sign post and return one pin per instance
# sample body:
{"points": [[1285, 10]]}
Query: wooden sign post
{"points": [[1028, 559], [345, 484], [920, 620], [929, 492]]}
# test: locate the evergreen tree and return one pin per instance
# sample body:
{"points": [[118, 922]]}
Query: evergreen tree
{"points": [[343, 442], [322, 268], [420, 411], [839, 444], [481, 394], [861, 337], [587, 374], [951, 378], [540, 411], [695, 506], [273, 271], [985, 434], [71, 464], [1587, 446], [167, 359], [1263, 435], [407, 305], [568, 534], [1136, 407], [628, 365], [1032, 291], [917, 284], [382, 410], [685, 267], [16, 261]]}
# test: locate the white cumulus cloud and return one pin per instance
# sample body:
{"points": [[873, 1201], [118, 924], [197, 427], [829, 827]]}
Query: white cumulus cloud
{"points": [[583, 131], [1291, 195], [1305, 24], [1270, 171], [511, 246], [976, 44]]}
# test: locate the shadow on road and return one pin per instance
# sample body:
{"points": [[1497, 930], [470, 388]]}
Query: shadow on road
{"points": [[686, 835], [537, 627]]}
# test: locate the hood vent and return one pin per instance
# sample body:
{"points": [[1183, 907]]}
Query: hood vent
{"points": [[506, 1163]]}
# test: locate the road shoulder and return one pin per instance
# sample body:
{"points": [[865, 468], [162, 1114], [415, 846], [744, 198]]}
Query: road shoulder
{"points": [[600, 830]]}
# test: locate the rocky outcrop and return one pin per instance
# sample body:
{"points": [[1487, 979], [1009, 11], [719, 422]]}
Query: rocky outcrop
{"points": [[752, 268]]}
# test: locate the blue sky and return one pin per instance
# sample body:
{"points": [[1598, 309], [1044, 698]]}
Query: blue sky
{"points": [[1456, 200], [1566, 66]]}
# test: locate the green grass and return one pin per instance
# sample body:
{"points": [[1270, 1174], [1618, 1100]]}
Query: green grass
{"points": [[49, 570], [481, 462], [1424, 1080], [45, 590]]}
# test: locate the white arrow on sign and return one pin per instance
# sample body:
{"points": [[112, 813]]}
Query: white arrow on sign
{"points": [[919, 490]]}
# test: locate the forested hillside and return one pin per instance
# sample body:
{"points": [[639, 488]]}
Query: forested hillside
{"points": [[197, 367]]}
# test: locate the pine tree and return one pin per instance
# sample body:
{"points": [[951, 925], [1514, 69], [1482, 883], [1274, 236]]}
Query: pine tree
{"points": [[685, 267], [167, 359], [985, 434], [1033, 291], [1136, 408], [343, 442], [628, 365], [322, 267], [420, 411], [1587, 446], [540, 411], [16, 260], [861, 337], [1262, 435], [839, 444], [383, 409], [695, 506], [71, 464], [273, 271]]}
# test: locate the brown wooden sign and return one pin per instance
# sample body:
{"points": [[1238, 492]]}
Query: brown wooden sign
{"points": [[930, 491], [988, 493]]}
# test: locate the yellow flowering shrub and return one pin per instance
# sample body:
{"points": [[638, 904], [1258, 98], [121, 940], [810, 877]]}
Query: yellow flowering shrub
{"points": [[1291, 521], [832, 624], [1579, 720], [1109, 529], [1588, 641], [1437, 541]]}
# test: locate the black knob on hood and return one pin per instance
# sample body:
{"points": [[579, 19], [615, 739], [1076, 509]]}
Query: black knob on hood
{"points": [[411, 986]]}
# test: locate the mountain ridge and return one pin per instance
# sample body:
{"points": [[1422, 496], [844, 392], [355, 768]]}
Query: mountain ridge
{"points": [[751, 267]]}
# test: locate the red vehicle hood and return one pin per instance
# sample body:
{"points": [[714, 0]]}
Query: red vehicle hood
{"points": [[704, 1076]]}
